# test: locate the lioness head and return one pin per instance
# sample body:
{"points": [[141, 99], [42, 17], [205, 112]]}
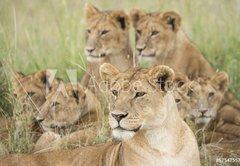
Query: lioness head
{"points": [[65, 106], [33, 88], [107, 33], [155, 33], [206, 95], [136, 96]]}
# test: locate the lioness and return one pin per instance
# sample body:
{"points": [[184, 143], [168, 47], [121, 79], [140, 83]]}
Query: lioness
{"points": [[143, 116], [107, 41]]}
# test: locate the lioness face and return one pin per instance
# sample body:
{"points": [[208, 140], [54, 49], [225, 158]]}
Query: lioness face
{"points": [[107, 33], [155, 33], [33, 88], [63, 107], [206, 95], [136, 98]]}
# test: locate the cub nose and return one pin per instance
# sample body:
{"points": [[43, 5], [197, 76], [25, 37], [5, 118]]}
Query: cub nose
{"points": [[140, 48], [90, 49], [119, 115], [203, 111]]}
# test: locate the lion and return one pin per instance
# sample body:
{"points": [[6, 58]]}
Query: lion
{"points": [[71, 113], [32, 89], [206, 95], [71, 105], [143, 115], [107, 41]]}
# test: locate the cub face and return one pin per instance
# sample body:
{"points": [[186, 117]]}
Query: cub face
{"points": [[206, 95], [107, 33], [155, 33], [63, 107], [32, 89], [136, 101]]}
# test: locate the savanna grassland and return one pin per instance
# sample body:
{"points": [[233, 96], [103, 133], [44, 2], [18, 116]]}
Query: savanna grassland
{"points": [[50, 34]]}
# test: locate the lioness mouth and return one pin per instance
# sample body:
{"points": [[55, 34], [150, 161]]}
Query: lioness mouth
{"points": [[134, 130]]}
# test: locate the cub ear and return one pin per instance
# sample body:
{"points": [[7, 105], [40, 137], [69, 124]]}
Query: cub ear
{"points": [[17, 76], [90, 10], [181, 82], [136, 15], [171, 20], [76, 91], [107, 71], [221, 80], [46, 77], [163, 76], [121, 18]]}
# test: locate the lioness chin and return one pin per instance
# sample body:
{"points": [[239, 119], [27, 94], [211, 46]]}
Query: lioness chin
{"points": [[143, 115]]}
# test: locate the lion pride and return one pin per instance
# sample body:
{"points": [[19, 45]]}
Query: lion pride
{"points": [[143, 115]]}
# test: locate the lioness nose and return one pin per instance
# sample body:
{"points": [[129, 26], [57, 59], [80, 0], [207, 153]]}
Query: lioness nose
{"points": [[90, 49], [119, 116]]}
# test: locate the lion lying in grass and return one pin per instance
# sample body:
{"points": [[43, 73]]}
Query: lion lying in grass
{"points": [[143, 114]]}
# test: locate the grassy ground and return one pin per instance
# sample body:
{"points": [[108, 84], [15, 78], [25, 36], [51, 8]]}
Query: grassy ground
{"points": [[50, 34]]}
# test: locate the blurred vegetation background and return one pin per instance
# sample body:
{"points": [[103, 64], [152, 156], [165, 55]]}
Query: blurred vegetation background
{"points": [[43, 34]]}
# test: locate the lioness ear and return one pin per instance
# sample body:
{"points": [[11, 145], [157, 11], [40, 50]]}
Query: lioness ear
{"points": [[181, 82], [221, 80], [136, 15], [121, 18], [90, 10], [171, 20], [163, 76], [107, 71]]}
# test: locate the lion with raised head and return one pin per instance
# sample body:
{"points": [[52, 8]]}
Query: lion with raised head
{"points": [[143, 115], [107, 41], [160, 41]]}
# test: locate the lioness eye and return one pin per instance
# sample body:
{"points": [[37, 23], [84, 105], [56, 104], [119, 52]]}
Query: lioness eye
{"points": [[153, 33], [177, 101], [140, 94], [138, 32], [104, 32], [88, 31], [211, 94], [115, 92]]}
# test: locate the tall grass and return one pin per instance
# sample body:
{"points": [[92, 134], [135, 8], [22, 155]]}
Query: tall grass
{"points": [[51, 34]]}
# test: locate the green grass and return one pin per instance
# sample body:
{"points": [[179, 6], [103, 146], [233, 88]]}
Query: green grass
{"points": [[51, 34]]}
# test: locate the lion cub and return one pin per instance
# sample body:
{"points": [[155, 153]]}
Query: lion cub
{"points": [[107, 41], [143, 115]]}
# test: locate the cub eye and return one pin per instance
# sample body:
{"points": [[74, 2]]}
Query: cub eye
{"points": [[140, 94], [115, 92], [54, 104], [138, 32], [30, 93], [104, 32], [177, 101], [190, 93], [88, 31], [211, 94], [153, 33]]}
